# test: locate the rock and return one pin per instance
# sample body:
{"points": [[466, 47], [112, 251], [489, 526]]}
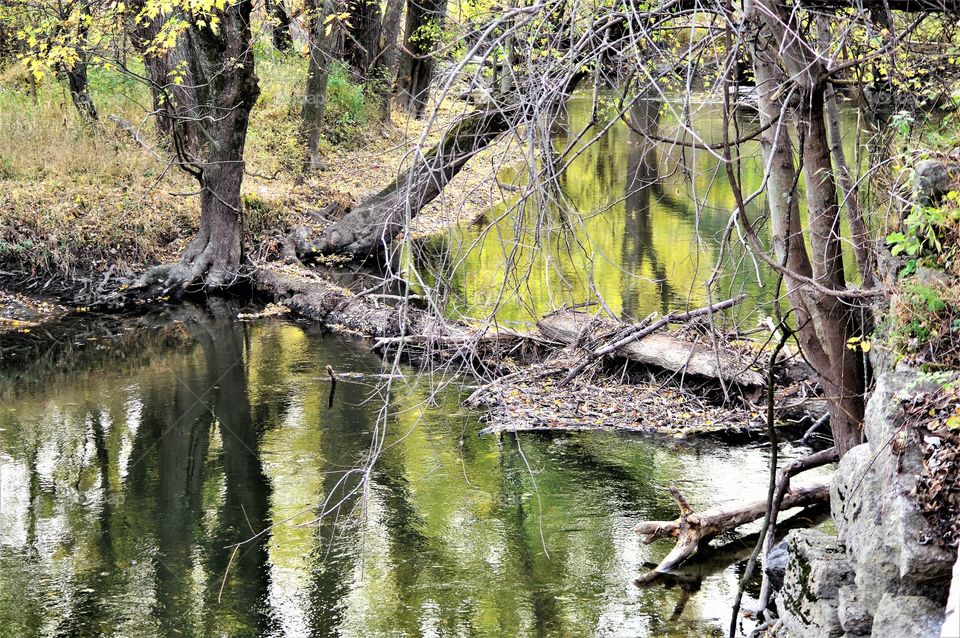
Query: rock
{"points": [[854, 618], [933, 181], [873, 504], [901, 616], [934, 277], [816, 570], [776, 564]]}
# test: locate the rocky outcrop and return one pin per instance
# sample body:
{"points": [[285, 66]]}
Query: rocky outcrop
{"points": [[817, 569], [883, 574]]}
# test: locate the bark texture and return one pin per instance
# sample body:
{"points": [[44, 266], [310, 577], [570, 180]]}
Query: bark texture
{"points": [[174, 103], [825, 322], [381, 73], [224, 92], [372, 226], [76, 74], [362, 37], [318, 71], [424, 20], [280, 28], [692, 528], [659, 349]]}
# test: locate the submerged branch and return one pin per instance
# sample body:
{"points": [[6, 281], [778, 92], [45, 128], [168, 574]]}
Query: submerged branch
{"points": [[693, 528]]}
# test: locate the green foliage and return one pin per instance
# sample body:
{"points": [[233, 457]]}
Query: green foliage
{"points": [[924, 229], [6, 168], [926, 324], [346, 109]]}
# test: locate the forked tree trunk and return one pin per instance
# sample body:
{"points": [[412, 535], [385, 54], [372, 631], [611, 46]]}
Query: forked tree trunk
{"points": [[424, 20], [844, 379], [825, 322]]}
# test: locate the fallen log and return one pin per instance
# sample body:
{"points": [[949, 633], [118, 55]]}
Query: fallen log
{"points": [[317, 298], [660, 350], [693, 528]]}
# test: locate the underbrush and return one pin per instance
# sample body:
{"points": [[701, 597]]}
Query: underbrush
{"points": [[75, 198], [924, 323]]}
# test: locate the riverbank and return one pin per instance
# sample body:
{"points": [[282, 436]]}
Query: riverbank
{"points": [[78, 202]]}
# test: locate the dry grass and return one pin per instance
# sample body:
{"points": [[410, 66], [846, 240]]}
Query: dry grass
{"points": [[76, 199]]}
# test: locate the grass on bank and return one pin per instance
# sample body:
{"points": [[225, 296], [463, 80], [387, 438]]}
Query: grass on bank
{"points": [[76, 198]]}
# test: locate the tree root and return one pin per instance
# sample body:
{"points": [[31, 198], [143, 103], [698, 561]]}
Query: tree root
{"points": [[202, 264]]}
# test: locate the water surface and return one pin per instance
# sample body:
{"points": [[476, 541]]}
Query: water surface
{"points": [[135, 455], [634, 223]]}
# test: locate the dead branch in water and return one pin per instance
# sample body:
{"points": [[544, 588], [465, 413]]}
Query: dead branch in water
{"points": [[783, 484], [661, 350], [693, 528]]}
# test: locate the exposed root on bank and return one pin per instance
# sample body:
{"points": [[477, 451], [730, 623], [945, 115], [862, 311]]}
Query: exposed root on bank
{"points": [[692, 528], [203, 262]]}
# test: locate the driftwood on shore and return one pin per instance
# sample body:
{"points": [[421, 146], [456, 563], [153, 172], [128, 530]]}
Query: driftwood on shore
{"points": [[659, 349], [692, 528]]}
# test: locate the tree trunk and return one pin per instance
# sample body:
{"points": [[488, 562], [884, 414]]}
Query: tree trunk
{"points": [[77, 74], [280, 27], [226, 89], [848, 188], [174, 103], [643, 344], [424, 20], [79, 91], [318, 71], [378, 220], [825, 322], [362, 37], [381, 74], [693, 528]]}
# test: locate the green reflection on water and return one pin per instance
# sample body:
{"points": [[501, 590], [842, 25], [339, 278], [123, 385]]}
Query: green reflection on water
{"points": [[640, 228], [125, 482]]}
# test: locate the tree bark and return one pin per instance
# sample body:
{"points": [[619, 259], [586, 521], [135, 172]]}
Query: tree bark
{"points": [[226, 89], [174, 103], [80, 92], [362, 37], [381, 74], [825, 322], [378, 220], [77, 73], [639, 343], [424, 19], [693, 528], [851, 194], [318, 72], [280, 28]]}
